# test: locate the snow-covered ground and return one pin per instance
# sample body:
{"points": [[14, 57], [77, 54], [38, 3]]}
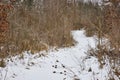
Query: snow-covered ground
{"points": [[71, 63]]}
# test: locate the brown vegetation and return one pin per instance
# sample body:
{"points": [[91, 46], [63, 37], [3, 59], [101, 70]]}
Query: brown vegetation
{"points": [[4, 27], [40, 26], [48, 23], [109, 28]]}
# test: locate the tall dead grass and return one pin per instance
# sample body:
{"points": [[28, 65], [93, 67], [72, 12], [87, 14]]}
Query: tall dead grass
{"points": [[39, 27], [48, 23], [109, 28]]}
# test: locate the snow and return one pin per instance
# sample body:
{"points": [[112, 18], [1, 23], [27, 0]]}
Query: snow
{"points": [[72, 63]]}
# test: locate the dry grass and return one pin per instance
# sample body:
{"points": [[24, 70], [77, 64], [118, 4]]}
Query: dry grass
{"points": [[37, 28], [110, 52]]}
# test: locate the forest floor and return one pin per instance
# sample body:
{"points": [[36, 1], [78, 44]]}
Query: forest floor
{"points": [[71, 63]]}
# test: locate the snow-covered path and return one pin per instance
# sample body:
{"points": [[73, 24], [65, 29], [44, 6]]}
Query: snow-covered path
{"points": [[63, 64]]}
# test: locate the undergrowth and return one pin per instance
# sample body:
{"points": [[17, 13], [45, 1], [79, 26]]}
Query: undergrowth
{"points": [[109, 53], [37, 27], [48, 24]]}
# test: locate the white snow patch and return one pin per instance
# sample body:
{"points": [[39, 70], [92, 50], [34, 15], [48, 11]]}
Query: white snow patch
{"points": [[63, 64]]}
